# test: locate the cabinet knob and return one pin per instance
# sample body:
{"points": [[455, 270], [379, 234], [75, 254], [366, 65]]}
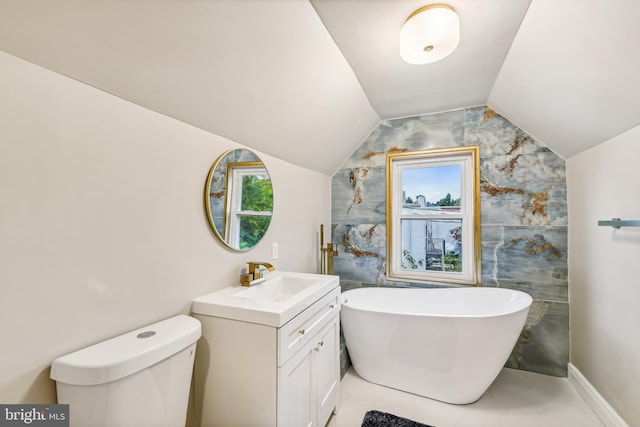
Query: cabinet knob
{"points": [[332, 306], [320, 344], [301, 331]]}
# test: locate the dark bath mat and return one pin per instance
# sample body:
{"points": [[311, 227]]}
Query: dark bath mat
{"points": [[382, 419]]}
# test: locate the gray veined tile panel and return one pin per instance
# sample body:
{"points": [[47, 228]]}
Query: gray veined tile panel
{"points": [[362, 252], [547, 207], [530, 259], [524, 190], [543, 345], [535, 171], [359, 195], [474, 115], [496, 136], [441, 130]]}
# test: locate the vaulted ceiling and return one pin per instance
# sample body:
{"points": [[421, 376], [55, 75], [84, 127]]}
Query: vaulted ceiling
{"points": [[307, 81]]}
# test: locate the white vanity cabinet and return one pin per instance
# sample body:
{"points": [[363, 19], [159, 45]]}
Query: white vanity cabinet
{"points": [[307, 383], [250, 374]]}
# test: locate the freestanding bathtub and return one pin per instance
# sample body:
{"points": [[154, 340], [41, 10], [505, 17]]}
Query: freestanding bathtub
{"points": [[447, 344]]}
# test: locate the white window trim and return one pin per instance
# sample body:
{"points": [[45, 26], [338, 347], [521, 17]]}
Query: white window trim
{"points": [[235, 173], [468, 158]]}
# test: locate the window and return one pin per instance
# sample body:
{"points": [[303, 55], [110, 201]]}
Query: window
{"points": [[249, 203], [433, 216]]}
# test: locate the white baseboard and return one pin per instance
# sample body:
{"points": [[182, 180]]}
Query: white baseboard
{"points": [[596, 402]]}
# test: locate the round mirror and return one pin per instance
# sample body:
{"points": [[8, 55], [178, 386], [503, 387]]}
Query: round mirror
{"points": [[239, 199]]}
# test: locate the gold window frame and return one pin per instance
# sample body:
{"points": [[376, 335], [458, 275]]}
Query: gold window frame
{"points": [[474, 153]]}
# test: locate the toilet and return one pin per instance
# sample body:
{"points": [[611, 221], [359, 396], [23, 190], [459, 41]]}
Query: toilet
{"points": [[138, 379]]}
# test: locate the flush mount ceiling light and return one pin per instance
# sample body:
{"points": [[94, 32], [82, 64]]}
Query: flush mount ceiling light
{"points": [[429, 34]]}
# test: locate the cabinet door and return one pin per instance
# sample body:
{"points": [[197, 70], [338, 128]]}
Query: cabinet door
{"points": [[327, 370], [296, 394]]}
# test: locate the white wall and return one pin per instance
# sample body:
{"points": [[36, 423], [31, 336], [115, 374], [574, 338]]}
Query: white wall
{"points": [[102, 222], [604, 270]]}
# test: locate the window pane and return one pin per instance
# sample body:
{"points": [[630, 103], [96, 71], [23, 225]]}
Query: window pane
{"points": [[433, 217], [434, 245], [257, 193], [431, 190], [252, 228]]}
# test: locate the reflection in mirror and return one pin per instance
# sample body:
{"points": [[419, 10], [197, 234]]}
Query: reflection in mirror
{"points": [[239, 199]]}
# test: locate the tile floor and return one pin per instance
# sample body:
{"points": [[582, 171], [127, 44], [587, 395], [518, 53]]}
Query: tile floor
{"points": [[515, 399]]}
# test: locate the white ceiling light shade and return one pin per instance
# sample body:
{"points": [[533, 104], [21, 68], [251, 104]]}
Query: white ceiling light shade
{"points": [[429, 34]]}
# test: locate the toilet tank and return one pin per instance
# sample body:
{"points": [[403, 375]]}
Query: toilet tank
{"points": [[138, 379]]}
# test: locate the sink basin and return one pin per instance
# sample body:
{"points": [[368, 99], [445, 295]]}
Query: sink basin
{"points": [[281, 297], [276, 289]]}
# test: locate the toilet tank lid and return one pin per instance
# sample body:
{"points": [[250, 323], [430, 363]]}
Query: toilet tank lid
{"points": [[128, 353]]}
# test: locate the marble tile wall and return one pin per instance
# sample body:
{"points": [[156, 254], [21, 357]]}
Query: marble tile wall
{"points": [[523, 219]]}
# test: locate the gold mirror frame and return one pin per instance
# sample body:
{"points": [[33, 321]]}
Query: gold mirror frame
{"points": [[218, 194]]}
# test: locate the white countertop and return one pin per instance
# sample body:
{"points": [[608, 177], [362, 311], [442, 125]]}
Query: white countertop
{"points": [[234, 302]]}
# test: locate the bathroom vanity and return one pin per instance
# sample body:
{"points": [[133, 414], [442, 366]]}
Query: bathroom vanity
{"points": [[269, 354]]}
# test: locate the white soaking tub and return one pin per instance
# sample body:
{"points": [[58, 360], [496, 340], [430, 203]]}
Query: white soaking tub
{"points": [[447, 344]]}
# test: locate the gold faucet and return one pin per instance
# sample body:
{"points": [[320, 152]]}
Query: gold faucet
{"points": [[326, 254], [254, 273]]}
